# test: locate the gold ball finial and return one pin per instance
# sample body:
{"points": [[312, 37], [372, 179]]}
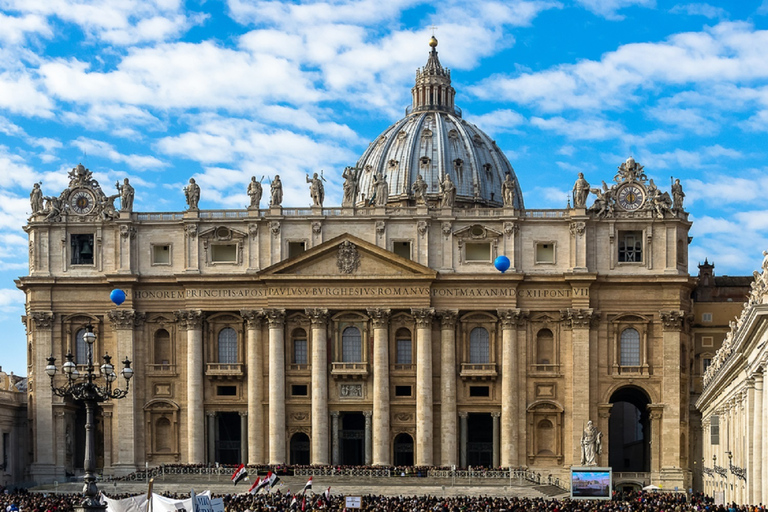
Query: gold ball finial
{"points": [[433, 41]]}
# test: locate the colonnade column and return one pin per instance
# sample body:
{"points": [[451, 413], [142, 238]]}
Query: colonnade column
{"points": [[381, 452], [496, 442], [276, 319], [243, 435], [655, 416], [255, 383], [40, 325], [123, 322], [672, 326], [509, 388], [334, 437], [319, 441], [211, 416], [463, 417], [368, 437], [192, 321], [757, 434], [424, 402], [448, 431], [579, 321]]}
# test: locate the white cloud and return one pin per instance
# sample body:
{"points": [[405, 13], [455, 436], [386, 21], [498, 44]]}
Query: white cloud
{"points": [[498, 121], [19, 94], [580, 129], [15, 29], [700, 9], [11, 300], [608, 8], [101, 148]]}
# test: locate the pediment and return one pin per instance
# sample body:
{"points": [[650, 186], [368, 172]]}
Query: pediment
{"points": [[477, 232], [348, 257]]}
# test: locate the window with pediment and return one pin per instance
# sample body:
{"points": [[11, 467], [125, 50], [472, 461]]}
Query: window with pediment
{"points": [[478, 346], [477, 244], [630, 345], [545, 422]]}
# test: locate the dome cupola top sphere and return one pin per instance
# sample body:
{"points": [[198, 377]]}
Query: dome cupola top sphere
{"points": [[434, 142]]}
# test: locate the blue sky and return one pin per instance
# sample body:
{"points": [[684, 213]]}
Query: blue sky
{"points": [[160, 91]]}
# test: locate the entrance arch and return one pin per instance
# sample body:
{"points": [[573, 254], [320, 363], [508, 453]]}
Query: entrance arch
{"points": [[480, 440], [629, 431], [300, 448], [403, 447], [229, 438], [352, 439]]}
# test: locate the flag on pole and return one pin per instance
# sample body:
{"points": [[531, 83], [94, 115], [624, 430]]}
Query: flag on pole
{"points": [[253, 489], [264, 482], [273, 479], [303, 503], [294, 502], [307, 486], [239, 474]]}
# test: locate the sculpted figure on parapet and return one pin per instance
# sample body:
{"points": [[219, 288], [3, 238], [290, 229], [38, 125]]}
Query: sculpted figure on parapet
{"points": [[350, 176], [192, 194], [508, 191], [276, 191], [591, 445], [419, 188], [316, 190], [580, 192], [254, 192], [36, 199], [126, 195], [677, 195], [448, 192]]}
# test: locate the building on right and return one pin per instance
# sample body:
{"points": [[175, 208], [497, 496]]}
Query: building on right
{"points": [[733, 406]]}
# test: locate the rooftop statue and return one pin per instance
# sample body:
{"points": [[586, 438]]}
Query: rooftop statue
{"points": [[316, 190], [580, 192], [276, 192], [254, 192], [192, 194]]}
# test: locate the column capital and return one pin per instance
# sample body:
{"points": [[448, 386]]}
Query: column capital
{"points": [[379, 317], [495, 415], [253, 317], [368, 414], [510, 318], [42, 319], [317, 316], [576, 318], [463, 414], [423, 316], [655, 411], [125, 319], [672, 319], [190, 318], [447, 318], [211, 414], [334, 414], [243, 414], [275, 317], [604, 410]]}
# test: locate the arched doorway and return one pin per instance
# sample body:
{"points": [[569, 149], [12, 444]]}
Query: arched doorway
{"points": [[228, 442], [352, 439], [480, 440], [300, 448], [403, 447], [629, 431]]}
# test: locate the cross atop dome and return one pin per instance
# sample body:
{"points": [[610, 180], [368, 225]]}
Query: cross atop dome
{"points": [[433, 89]]}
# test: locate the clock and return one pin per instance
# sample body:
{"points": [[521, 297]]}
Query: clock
{"points": [[81, 201], [631, 197]]}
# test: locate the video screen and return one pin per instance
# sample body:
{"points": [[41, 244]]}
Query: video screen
{"points": [[591, 483]]}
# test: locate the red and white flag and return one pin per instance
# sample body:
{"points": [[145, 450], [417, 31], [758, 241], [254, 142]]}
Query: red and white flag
{"points": [[264, 482], [294, 502], [307, 486], [239, 474], [303, 503], [253, 489], [273, 479]]}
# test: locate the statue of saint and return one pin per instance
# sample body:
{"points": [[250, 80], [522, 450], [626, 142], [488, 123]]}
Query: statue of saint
{"points": [[36, 198], [276, 192], [508, 191], [380, 189], [419, 188], [254, 192], [192, 194], [448, 191], [350, 186], [677, 195], [580, 192], [316, 190], [126, 195], [591, 445]]}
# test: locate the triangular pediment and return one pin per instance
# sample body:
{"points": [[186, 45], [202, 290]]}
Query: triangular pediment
{"points": [[348, 257]]}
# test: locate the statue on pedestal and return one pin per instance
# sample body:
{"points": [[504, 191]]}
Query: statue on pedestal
{"points": [[591, 445]]}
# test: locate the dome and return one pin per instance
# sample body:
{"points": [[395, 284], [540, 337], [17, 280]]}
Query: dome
{"points": [[433, 140]]}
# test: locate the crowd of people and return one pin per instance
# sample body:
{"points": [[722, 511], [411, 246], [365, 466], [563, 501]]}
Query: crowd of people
{"points": [[22, 500]]}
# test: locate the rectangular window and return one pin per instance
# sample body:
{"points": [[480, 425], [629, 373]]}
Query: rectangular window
{"points": [[296, 248], [475, 251], [224, 253], [299, 390], [82, 249], [707, 341], [299, 351], [403, 391], [479, 391], [545, 252], [402, 249], [404, 355], [226, 390], [631, 246], [706, 317], [161, 254], [714, 430], [705, 362]]}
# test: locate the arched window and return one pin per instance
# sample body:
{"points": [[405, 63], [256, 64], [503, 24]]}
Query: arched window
{"points": [[227, 345], [81, 348], [545, 438], [163, 433], [300, 355], [404, 354], [351, 345], [479, 346], [629, 349], [162, 347], [545, 347]]}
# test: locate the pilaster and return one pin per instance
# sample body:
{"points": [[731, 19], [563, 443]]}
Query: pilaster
{"points": [[381, 411], [277, 433], [448, 430], [255, 368], [424, 402], [319, 445], [43, 465], [192, 321], [510, 416]]}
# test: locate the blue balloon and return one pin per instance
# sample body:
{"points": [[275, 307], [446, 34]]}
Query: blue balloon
{"points": [[117, 296], [501, 263]]}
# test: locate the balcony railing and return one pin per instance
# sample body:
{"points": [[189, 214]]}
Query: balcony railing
{"points": [[349, 370], [161, 369], [403, 367], [545, 368], [224, 369], [478, 371]]}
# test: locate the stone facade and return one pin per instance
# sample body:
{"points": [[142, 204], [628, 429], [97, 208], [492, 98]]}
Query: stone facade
{"points": [[373, 333], [14, 449]]}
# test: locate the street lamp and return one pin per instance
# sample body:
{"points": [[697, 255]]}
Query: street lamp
{"points": [[87, 389]]}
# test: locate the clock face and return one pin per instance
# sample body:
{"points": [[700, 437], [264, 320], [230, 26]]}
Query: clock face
{"points": [[631, 197], [81, 202]]}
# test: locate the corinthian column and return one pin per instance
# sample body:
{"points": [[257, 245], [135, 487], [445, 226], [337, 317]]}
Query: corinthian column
{"points": [[276, 319], [448, 430], [255, 369], [380, 320], [192, 321], [319, 444], [509, 388], [578, 320], [123, 322], [424, 421], [40, 324], [672, 323]]}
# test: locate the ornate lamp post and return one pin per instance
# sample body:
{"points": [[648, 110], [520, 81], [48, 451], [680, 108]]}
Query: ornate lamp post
{"points": [[87, 389]]}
